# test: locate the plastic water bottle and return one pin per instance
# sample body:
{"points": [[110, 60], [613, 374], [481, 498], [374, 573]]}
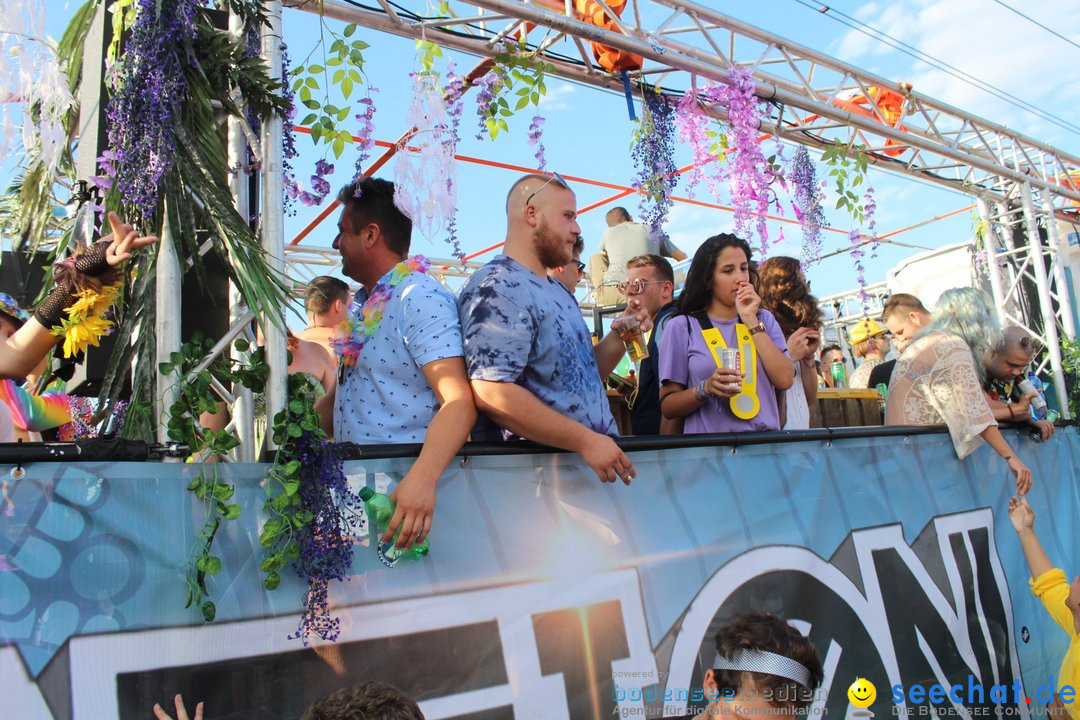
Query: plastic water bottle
{"points": [[1038, 403], [380, 510]]}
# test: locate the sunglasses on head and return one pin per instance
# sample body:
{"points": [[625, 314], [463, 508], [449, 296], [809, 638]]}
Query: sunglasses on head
{"points": [[554, 176]]}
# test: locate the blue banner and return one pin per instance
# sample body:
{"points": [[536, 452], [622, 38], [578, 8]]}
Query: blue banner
{"points": [[546, 593]]}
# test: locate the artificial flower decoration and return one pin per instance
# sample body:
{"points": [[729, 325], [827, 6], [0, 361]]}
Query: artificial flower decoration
{"points": [[358, 327], [87, 323]]}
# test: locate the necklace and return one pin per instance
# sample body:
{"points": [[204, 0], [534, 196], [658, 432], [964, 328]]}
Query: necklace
{"points": [[354, 331]]}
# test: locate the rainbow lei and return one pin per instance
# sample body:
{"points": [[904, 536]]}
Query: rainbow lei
{"points": [[87, 323], [355, 330]]}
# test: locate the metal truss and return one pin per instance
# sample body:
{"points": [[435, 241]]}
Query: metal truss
{"points": [[1014, 268], [807, 93]]}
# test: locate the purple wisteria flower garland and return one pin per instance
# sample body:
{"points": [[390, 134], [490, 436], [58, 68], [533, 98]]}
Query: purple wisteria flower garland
{"points": [[290, 188], [750, 174], [485, 95], [365, 130], [148, 87], [806, 202], [693, 125], [654, 159], [536, 137], [326, 542], [453, 92]]}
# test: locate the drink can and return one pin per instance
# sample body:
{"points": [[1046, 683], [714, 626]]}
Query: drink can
{"points": [[839, 374], [883, 389], [729, 359]]}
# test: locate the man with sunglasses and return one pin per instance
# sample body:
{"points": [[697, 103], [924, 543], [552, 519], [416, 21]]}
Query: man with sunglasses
{"points": [[1006, 365], [650, 286], [530, 357], [571, 273], [623, 240]]}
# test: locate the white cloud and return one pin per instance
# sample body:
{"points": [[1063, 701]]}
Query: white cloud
{"points": [[989, 42], [557, 97]]}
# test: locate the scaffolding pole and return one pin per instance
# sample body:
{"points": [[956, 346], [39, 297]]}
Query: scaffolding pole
{"points": [[166, 325], [988, 240], [1035, 255], [273, 221], [1065, 310], [243, 408]]}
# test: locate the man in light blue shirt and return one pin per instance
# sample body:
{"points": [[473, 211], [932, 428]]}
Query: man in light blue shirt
{"points": [[406, 382], [531, 361]]}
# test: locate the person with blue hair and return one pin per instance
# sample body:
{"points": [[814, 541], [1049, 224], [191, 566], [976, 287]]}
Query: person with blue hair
{"points": [[938, 379]]}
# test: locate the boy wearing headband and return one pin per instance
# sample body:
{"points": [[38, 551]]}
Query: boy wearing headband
{"points": [[761, 662]]}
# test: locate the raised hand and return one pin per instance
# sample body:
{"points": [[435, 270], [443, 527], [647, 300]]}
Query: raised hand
{"points": [[125, 241], [181, 711], [1021, 515], [747, 303]]}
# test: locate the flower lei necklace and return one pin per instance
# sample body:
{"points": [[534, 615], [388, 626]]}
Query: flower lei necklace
{"points": [[355, 330]]}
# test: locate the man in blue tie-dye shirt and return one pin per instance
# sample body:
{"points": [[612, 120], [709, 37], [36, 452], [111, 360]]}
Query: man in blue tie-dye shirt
{"points": [[530, 357]]}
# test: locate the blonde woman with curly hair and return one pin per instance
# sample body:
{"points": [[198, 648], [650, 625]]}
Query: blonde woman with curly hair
{"points": [[938, 379]]}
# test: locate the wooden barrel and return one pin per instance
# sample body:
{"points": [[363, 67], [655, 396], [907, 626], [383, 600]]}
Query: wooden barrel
{"points": [[844, 407]]}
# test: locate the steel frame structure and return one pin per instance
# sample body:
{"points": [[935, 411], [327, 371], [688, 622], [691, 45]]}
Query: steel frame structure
{"points": [[685, 45]]}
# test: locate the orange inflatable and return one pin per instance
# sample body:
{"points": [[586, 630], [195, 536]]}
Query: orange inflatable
{"points": [[609, 58], [589, 11], [890, 105]]}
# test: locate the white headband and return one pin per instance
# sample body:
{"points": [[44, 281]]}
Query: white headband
{"points": [[766, 662]]}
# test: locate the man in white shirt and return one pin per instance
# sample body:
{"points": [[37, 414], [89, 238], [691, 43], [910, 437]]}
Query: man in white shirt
{"points": [[624, 240]]}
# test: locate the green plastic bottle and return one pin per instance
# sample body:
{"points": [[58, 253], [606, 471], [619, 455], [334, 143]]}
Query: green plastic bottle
{"points": [[380, 510]]}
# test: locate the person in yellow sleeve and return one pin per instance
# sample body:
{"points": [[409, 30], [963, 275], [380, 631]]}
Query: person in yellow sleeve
{"points": [[1062, 601]]}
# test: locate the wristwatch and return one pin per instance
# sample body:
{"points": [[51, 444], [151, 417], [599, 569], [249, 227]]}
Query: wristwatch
{"points": [[760, 327]]}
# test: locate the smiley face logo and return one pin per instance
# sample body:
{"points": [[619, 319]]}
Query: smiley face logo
{"points": [[862, 693]]}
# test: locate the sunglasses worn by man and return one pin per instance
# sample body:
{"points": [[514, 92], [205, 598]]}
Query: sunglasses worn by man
{"points": [[637, 286]]}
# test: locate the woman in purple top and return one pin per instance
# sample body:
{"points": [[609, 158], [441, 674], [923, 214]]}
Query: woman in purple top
{"points": [[719, 294]]}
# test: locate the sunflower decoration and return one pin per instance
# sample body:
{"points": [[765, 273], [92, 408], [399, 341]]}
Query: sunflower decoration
{"points": [[88, 320]]}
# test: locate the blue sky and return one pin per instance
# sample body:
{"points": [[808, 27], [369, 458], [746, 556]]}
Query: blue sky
{"points": [[588, 132]]}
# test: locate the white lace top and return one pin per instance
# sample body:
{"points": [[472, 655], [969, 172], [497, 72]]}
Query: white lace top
{"points": [[935, 382]]}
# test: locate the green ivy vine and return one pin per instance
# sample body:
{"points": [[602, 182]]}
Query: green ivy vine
{"points": [[848, 173], [342, 65], [284, 506], [519, 72], [195, 396]]}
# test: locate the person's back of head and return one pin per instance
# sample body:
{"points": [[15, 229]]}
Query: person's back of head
{"points": [[902, 303], [617, 216], [968, 313], [370, 701], [782, 665], [371, 200], [323, 292], [785, 293]]}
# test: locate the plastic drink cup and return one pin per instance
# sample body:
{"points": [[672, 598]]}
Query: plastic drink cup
{"points": [[839, 374], [633, 339]]}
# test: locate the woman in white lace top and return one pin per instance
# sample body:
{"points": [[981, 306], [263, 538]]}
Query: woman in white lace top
{"points": [[938, 378]]}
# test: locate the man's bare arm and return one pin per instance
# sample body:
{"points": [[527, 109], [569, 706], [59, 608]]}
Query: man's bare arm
{"points": [[448, 431], [522, 413]]}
